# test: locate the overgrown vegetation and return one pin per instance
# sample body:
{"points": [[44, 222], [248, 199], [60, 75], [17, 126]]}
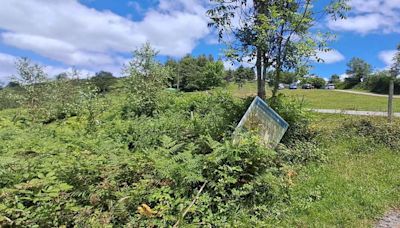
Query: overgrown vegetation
{"points": [[141, 156], [195, 73]]}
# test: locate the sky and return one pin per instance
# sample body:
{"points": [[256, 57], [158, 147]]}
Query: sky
{"points": [[94, 35]]}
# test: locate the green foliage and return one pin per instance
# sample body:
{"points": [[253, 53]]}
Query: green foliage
{"points": [[8, 99], [379, 83], [357, 70], [196, 74], [62, 100], [317, 82], [145, 80], [276, 34], [103, 81], [31, 79], [335, 79], [91, 105], [243, 74], [384, 134], [143, 170], [293, 111]]}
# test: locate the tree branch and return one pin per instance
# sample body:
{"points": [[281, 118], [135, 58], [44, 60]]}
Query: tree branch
{"points": [[191, 205]]}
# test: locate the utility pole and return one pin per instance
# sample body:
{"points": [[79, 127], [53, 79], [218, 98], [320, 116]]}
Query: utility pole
{"points": [[394, 72], [390, 101]]}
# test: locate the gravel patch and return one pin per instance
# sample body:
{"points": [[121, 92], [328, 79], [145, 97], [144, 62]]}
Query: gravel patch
{"points": [[390, 220]]}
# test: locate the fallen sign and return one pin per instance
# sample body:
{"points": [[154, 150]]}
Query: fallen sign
{"points": [[263, 120]]}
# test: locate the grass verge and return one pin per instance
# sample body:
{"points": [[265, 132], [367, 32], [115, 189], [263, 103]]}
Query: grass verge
{"points": [[325, 99], [358, 184]]}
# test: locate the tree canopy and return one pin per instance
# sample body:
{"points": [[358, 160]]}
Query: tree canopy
{"points": [[274, 33], [358, 69]]}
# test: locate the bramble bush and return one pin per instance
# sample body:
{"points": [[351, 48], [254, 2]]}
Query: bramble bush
{"points": [[145, 171], [147, 158], [376, 132]]}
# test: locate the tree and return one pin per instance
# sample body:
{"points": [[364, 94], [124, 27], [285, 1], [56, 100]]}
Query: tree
{"points": [[188, 72], [394, 72], [62, 76], [358, 69], [145, 80], [317, 82], [103, 80], [274, 33], [334, 79], [13, 84], [191, 73], [213, 74], [229, 75], [64, 94], [243, 74], [175, 79], [286, 77], [31, 78]]}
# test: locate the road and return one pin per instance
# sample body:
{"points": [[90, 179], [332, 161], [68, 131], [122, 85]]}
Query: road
{"points": [[355, 113], [363, 93]]}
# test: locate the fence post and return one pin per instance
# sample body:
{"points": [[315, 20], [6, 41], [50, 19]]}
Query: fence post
{"points": [[390, 101]]}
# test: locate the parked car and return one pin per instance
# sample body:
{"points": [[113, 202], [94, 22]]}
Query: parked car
{"points": [[330, 86], [293, 86], [281, 86], [307, 86]]}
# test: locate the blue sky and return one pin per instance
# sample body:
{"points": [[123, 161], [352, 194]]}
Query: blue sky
{"points": [[94, 35]]}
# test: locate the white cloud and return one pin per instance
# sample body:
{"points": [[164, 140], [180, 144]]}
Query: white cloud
{"points": [[7, 66], [331, 56], [228, 65], [369, 16], [74, 34], [343, 76], [56, 49], [387, 56], [246, 62], [8, 70]]}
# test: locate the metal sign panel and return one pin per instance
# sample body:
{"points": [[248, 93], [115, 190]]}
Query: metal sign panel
{"points": [[263, 120]]}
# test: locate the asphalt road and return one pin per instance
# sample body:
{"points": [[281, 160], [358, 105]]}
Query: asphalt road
{"points": [[364, 93], [354, 113]]}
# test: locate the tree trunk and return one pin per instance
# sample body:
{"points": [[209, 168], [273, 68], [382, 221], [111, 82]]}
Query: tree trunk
{"points": [[177, 84], [278, 71], [260, 79], [390, 101]]}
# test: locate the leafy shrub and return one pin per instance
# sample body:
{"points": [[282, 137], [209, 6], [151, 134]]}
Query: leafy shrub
{"points": [[380, 133], [146, 79], [379, 83], [298, 117]]}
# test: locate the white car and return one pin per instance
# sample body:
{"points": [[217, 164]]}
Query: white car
{"points": [[330, 86]]}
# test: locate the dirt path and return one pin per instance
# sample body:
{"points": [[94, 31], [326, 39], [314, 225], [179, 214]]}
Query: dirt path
{"points": [[390, 220], [355, 113], [363, 93]]}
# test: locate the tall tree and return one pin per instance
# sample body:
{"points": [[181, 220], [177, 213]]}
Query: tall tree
{"points": [[32, 79], [146, 78], [334, 79], [358, 69], [274, 33], [175, 79], [103, 80]]}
